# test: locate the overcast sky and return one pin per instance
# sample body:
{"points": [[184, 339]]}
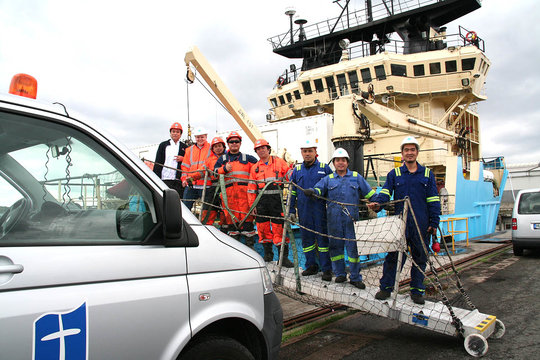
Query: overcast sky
{"points": [[120, 63]]}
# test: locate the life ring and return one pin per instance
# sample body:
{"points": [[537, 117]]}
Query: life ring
{"points": [[471, 36], [281, 81]]}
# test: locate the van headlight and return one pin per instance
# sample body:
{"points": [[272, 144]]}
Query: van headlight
{"points": [[267, 280]]}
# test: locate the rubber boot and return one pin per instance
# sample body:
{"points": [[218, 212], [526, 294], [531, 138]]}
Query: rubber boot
{"points": [[250, 242], [286, 262], [268, 252]]}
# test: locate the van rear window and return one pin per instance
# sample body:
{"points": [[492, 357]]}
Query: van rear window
{"points": [[529, 203]]}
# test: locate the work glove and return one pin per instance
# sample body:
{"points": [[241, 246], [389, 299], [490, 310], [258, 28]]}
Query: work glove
{"points": [[190, 182], [309, 192], [436, 247], [292, 217]]}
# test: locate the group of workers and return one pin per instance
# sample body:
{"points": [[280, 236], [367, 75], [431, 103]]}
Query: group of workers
{"points": [[322, 201]]}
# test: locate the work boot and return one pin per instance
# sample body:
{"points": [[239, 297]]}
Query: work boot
{"points": [[286, 262], [268, 252], [340, 279], [358, 284], [312, 270], [327, 275], [382, 295], [418, 298]]}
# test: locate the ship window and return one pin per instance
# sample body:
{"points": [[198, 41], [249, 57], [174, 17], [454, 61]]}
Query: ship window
{"points": [[366, 75], [353, 79], [419, 70], [281, 100], [331, 85], [342, 83], [289, 97], [319, 87], [398, 70], [297, 95], [468, 64], [451, 66], [434, 68], [273, 102], [307, 88], [380, 73], [487, 67]]}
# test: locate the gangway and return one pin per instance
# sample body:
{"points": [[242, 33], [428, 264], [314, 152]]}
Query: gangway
{"points": [[386, 234]]}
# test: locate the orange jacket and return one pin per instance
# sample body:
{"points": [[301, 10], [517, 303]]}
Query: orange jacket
{"points": [[236, 183], [208, 165], [275, 170], [194, 159]]}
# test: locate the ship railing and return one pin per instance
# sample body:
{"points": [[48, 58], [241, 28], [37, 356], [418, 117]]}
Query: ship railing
{"points": [[360, 17]]}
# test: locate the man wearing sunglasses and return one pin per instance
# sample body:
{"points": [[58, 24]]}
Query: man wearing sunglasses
{"points": [[235, 168]]}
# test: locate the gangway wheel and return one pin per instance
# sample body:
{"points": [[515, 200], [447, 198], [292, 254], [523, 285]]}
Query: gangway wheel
{"points": [[499, 331], [476, 345]]}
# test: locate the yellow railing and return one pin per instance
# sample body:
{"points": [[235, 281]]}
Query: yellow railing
{"points": [[450, 229]]}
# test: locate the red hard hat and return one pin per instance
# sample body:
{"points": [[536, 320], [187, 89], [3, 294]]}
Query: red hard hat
{"points": [[217, 140], [176, 125], [234, 134], [259, 143]]}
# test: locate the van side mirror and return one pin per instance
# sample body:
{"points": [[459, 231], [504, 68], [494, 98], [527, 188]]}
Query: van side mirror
{"points": [[172, 215]]}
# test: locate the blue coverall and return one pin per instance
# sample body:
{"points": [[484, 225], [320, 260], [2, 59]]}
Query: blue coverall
{"points": [[344, 189], [421, 189], [311, 213]]}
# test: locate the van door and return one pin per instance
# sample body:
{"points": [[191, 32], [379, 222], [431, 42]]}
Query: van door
{"points": [[83, 272], [528, 215]]}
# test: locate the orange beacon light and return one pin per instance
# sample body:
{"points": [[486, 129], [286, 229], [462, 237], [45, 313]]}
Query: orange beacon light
{"points": [[23, 85]]}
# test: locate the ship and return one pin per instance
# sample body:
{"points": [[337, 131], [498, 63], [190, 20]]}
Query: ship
{"points": [[368, 78]]}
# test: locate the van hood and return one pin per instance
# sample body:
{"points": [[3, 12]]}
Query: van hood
{"points": [[219, 252]]}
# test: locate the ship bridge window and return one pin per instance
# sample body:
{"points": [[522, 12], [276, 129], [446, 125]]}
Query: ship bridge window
{"points": [[435, 68], [342, 83], [307, 88], [281, 100], [380, 73], [487, 67], [353, 80], [451, 66], [419, 70], [297, 95], [273, 101], [289, 97], [366, 75], [468, 64], [319, 87], [331, 85], [398, 70]]}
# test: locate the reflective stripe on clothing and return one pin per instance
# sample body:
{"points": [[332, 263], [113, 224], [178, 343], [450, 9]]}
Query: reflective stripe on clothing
{"points": [[194, 160]]}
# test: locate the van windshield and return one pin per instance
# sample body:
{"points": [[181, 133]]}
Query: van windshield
{"points": [[529, 203]]}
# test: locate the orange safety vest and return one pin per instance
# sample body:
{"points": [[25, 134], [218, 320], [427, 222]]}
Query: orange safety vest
{"points": [[236, 184], [275, 170], [194, 159]]}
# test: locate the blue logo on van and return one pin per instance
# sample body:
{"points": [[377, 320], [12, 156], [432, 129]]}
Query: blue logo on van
{"points": [[61, 336]]}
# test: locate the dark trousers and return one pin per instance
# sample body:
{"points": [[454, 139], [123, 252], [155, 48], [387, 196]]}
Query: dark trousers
{"points": [[175, 185]]}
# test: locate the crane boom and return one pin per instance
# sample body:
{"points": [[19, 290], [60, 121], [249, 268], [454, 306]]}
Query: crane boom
{"points": [[202, 66]]}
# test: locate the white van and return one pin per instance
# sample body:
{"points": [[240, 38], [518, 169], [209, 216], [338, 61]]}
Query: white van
{"points": [[526, 221], [99, 259]]}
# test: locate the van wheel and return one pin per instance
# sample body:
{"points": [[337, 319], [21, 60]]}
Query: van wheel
{"points": [[518, 251], [217, 347]]}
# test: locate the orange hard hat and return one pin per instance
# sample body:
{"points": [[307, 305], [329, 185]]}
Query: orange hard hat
{"points": [[177, 126], [259, 143], [234, 134], [217, 140]]}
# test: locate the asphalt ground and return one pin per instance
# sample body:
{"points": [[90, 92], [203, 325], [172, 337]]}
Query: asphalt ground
{"points": [[504, 285]]}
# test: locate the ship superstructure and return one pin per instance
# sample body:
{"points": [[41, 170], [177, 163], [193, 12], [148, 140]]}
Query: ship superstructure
{"points": [[392, 70]]}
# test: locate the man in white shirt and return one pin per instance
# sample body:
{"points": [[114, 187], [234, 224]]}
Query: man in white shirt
{"points": [[169, 158]]}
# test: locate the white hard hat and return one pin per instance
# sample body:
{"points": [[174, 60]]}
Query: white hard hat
{"points": [[309, 143], [410, 140], [199, 131], [340, 153]]}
